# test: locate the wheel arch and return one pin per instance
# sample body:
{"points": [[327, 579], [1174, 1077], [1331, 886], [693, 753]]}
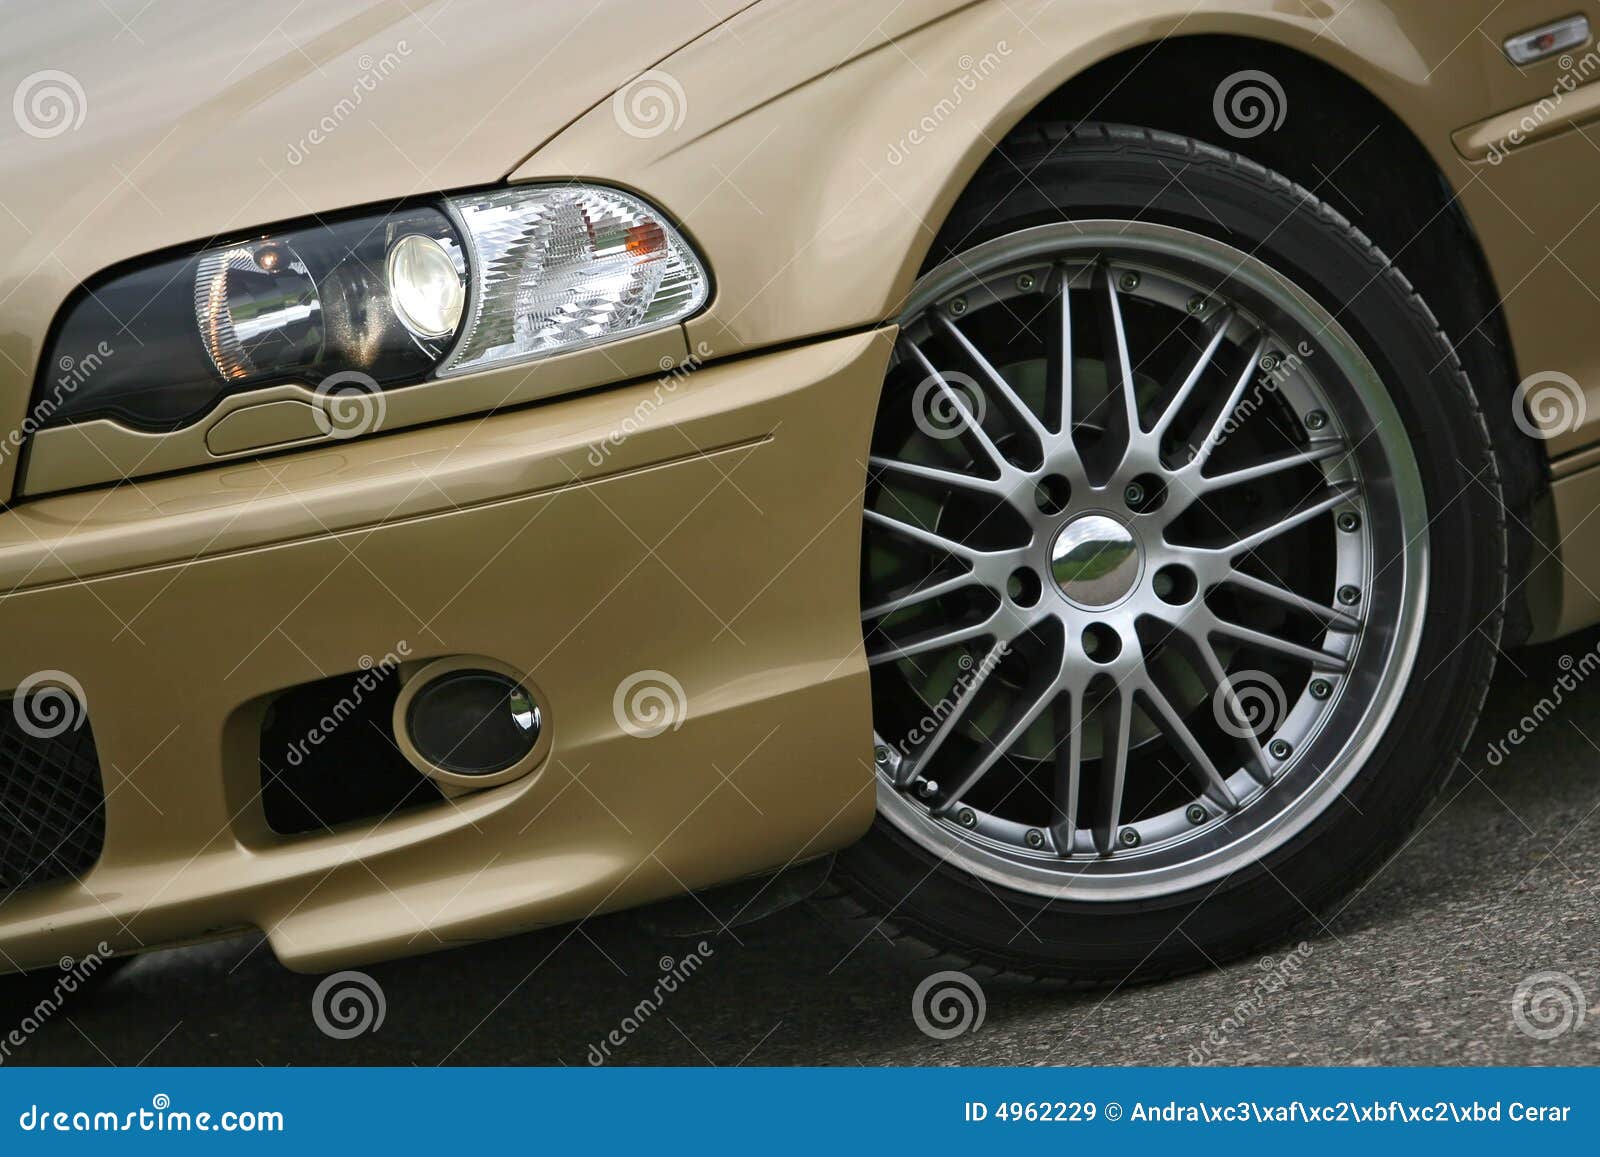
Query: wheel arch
{"points": [[1361, 156]]}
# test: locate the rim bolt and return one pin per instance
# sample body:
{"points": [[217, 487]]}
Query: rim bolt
{"points": [[1280, 749], [1321, 688], [967, 818], [958, 306], [1269, 362], [1133, 495], [880, 755], [1025, 282], [1349, 595], [1197, 304], [1349, 522], [1128, 838], [1035, 838], [1196, 814], [1128, 282], [1316, 420]]}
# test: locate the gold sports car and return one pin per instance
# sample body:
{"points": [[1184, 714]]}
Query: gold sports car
{"points": [[1063, 470]]}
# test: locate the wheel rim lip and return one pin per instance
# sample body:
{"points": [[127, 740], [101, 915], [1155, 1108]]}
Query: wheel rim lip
{"points": [[1247, 835]]}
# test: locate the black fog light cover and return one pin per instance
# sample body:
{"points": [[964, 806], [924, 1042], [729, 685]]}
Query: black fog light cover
{"points": [[473, 722]]}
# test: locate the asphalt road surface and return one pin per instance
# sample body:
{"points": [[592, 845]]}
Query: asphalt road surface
{"points": [[1424, 967]]}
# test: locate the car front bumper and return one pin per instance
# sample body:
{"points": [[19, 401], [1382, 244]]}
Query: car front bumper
{"points": [[706, 526]]}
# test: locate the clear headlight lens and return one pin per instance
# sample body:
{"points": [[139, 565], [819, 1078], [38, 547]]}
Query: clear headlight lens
{"points": [[425, 286], [560, 268], [467, 284]]}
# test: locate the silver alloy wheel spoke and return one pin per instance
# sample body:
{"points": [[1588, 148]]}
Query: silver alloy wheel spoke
{"points": [[1064, 348], [932, 474], [1317, 453], [1332, 616], [920, 594], [1118, 731], [1186, 388], [1222, 685], [926, 538], [927, 644], [1123, 380], [969, 420], [959, 709], [1318, 660], [1150, 639], [1227, 412], [1067, 782], [1246, 543], [1215, 785], [997, 382], [1009, 736]]}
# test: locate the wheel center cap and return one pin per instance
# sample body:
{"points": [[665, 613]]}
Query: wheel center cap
{"points": [[1095, 561]]}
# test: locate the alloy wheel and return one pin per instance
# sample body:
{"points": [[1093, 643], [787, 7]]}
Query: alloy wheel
{"points": [[1145, 559]]}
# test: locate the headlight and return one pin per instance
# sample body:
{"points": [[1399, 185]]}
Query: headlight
{"points": [[467, 284]]}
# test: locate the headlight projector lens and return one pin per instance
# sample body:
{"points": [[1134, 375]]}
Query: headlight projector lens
{"points": [[425, 289]]}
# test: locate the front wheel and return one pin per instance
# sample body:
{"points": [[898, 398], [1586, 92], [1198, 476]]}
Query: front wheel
{"points": [[1183, 561]]}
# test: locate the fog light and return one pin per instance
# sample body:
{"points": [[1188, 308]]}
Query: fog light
{"points": [[473, 722]]}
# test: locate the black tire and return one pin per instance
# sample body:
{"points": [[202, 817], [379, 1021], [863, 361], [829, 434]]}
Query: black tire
{"points": [[887, 887]]}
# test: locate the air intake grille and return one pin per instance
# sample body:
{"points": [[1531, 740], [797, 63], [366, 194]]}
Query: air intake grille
{"points": [[52, 804]]}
